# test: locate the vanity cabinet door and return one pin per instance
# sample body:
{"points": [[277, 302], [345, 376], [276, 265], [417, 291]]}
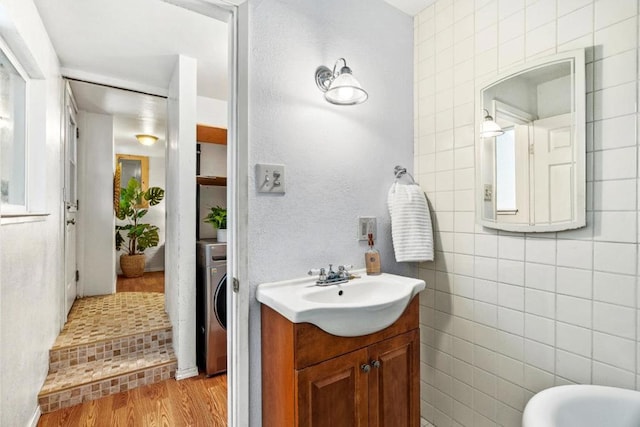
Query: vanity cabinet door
{"points": [[394, 399], [334, 393]]}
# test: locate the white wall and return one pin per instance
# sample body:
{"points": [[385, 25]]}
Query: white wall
{"points": [[180, 271], [339, 160], [509, 314], [96, 221], [31, 266]]}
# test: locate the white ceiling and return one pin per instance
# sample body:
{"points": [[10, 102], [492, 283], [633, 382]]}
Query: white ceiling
{"points": [[410, 7], [137, 41]]}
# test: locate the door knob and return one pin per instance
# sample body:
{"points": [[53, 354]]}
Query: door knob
{"points": [[375, 363], [71, 221], [365, 368]]}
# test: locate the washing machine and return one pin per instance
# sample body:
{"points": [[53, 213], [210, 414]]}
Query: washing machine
{"points": [[211, 303]]}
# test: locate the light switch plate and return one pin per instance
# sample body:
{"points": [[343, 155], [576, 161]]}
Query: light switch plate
{"points": [[270, 178], [366, 225]]}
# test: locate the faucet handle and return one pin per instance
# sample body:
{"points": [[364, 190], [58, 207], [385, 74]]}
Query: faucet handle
{"points": [[345, 267], [316, 271]]}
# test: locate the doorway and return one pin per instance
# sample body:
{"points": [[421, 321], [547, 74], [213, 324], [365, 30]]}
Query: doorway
{"points": [[110, 62]]}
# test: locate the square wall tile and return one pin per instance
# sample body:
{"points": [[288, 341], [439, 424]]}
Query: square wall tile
{"points": [[486, 291], [615, 70], [540, 39], [539, 355], [511, 296], [575, 282], [575, 253], [566, 6], [574, 339], [486, 245], [511, 272], [540, 303], [612, 376], [540, 276], [615, 351], [540, 329], [615, 164], [540, 13], [575, 24], [541, 250], [615, 38], [614, 288], [614, 195], [576, 311], [573, 367], [614, 101], [614, 319], [615, 257], [512, 26], [615, 226], [606, 13]]}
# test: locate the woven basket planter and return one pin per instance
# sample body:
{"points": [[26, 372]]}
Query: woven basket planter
{"points": [[132, 265]]}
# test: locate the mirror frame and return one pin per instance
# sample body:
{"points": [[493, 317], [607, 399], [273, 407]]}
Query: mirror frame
{"points": [[144, 171], [577, 59]]}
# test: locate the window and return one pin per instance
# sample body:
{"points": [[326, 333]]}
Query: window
{"points": [[13, 138]]}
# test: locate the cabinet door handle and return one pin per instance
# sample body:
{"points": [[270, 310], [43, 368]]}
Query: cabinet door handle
{"points": [[365, 368], [375, 363]]}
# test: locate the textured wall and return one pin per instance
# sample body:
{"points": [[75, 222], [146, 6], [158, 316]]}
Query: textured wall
{"points": [[31, 270], [508, 314], [339, 160]]}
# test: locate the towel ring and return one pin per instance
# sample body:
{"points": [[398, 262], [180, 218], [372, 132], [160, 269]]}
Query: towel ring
{"points": [[399, 172]]}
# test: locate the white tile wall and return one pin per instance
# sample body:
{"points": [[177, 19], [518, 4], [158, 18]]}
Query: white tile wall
{"points": [[509, 314]]}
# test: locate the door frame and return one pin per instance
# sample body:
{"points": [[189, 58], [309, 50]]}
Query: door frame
{"points": [[68, 104], [236, 17]]}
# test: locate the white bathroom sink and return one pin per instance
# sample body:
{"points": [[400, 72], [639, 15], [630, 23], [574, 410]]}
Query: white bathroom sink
{"points": [[359, 307], [583, 406]]}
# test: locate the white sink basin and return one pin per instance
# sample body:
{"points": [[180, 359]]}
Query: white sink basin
{"points": [[583, 406], [359, 307]]}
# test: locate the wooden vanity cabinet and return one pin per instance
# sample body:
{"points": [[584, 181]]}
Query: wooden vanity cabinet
{"points": [[313, 379]]}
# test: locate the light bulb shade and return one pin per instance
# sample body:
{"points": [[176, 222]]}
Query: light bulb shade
{"points": [[340, 88], [345, 90], [145, 139], [489, 127]]}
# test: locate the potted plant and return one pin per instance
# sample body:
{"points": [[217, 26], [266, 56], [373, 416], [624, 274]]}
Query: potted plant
{"points": [[134, 237], [218, 219]]}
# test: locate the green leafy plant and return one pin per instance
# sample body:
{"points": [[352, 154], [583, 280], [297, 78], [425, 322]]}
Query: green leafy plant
{"points": [[134, 237], [217, 217]]}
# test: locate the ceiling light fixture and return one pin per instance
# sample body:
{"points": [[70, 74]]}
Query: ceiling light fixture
{"points": [[146, 139], [489, 127], [340, 87]]}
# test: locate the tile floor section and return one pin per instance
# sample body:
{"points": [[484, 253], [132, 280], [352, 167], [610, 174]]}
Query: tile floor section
{"points": [[109, 344]]}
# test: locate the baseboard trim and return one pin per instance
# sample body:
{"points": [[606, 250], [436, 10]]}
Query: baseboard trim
{"points": [[33, 422], [182, 374]]}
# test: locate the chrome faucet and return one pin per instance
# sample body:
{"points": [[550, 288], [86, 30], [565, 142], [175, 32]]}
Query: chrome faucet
{"points": [[331, 277]]}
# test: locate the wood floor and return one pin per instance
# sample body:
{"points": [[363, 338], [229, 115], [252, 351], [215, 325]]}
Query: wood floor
{"points": [[152, 281], [197, 401]]}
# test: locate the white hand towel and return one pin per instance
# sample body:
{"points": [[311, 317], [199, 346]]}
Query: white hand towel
{"points": [[411, 228]]}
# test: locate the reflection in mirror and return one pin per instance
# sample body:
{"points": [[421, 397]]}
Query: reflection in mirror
{"points": [[134, 167], [532, 177]]}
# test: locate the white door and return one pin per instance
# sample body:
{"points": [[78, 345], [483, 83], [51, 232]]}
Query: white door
{"points": [[70, 200], [553, 169]]}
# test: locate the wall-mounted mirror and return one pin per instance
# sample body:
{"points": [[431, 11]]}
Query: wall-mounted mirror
{"points": [[532, 177], [134, 167]]}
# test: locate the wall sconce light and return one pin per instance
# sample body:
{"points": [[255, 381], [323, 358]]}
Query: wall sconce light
{"points": [[145, 139], [340, 88], [489, 127]]}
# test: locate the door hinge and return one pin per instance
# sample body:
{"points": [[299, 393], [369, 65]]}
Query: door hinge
{"points": [[236, 285], [77, 275], [77, 132]]}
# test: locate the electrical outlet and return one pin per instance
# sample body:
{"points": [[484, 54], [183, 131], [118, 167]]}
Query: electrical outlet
{"points": [[366, 225], [488, 192]]}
